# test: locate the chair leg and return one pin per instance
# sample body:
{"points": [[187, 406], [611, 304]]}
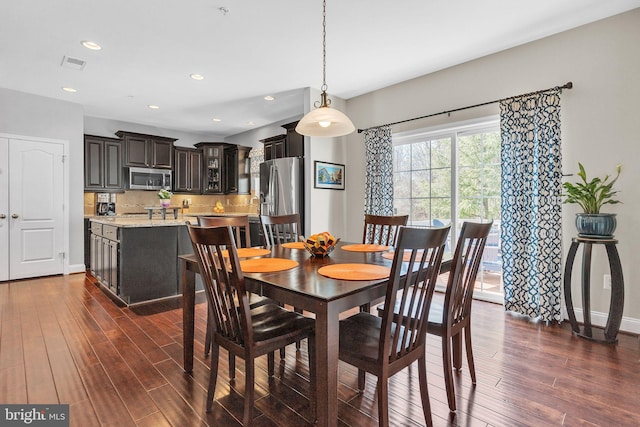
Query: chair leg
{"points": [[383, 404], [362, 374], [300, 311], [271, 363], [249, 392], [424, 390], [467, 345], [456, 345], [213, 376], [311, 348], [232, 366], [448, 372], [207, 338]]}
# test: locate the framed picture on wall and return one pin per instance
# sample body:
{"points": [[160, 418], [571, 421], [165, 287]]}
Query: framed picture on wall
{"points": [[328, 175]]}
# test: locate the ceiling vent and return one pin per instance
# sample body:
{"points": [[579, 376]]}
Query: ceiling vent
{"points": [[74, 63]]}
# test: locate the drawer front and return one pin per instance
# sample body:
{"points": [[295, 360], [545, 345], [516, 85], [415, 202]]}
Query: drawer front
{"points": [[110, 232], [96, 228]]}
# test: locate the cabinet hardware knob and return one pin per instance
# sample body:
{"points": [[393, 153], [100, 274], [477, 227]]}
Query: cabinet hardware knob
{"points": [[2, 216], [14, 216]]}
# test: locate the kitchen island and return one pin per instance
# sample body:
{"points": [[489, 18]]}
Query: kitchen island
{"points": [[135, 259]]}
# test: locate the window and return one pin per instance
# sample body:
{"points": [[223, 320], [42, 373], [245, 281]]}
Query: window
{"points": [[450, 175]]}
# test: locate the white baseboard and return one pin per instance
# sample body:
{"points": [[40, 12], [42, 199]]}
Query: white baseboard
{"points": [[628, 324], [76, 268]]}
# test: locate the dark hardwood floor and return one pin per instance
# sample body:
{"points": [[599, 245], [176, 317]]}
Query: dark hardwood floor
{"points": [[63, 341]]}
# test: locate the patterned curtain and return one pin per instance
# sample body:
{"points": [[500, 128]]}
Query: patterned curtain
{"points": [[531, 207], [378, 191]]}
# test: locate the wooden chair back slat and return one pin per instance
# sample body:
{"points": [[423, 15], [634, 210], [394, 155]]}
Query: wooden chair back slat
{"points": [[239, 225], [382, 230], [278, 229]]}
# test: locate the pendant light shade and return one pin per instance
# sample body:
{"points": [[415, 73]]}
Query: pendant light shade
{"points": [[324, 120]]}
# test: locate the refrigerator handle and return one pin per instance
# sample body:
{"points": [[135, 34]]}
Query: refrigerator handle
{"points": [[276, 188], [272, 187]]}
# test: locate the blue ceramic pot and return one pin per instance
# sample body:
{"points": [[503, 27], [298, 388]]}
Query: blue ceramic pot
{"points": [[596, 225]]}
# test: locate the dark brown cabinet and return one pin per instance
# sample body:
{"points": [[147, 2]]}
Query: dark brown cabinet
{"points": [[237, 173], [212, 154], [188, 171], [147, 151], [102, 164], [290, 144], [274, 147], [294, 141]]}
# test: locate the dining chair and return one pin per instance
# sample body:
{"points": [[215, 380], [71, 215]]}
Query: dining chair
{"points": [[240, 226], [243, 331], [382, 230], [384, 346], [278, 229], [238, 223], [452, 317]]}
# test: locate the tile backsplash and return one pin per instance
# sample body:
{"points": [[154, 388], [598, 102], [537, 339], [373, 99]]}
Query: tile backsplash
{"points": [[134, 202]]}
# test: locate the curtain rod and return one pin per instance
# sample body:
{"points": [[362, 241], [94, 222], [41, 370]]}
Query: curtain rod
{"points": [[567, 85]]}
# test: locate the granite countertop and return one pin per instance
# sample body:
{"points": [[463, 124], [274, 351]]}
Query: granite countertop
{"points": [[139, 221], [142, 220]]}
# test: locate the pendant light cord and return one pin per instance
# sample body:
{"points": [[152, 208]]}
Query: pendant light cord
{"points": [[324, 46]]}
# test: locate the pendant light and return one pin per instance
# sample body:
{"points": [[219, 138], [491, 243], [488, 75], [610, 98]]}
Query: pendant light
{"points": [[324, 120]]}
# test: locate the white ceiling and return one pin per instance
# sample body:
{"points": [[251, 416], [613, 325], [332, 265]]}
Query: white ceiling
{"points": [[260, 47]]}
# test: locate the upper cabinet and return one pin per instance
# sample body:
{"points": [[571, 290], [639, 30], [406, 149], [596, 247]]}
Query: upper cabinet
{"points": [[188, 171], [147, 151], [237, 170], [290, 144], [212, 153], [274, 147], [226, 168], [102, 164], [294, 141]]}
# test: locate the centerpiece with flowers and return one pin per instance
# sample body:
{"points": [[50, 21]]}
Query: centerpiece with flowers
{"points": [[165, 197]]}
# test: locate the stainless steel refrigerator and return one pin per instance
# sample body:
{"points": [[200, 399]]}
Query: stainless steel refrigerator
{"points": [[282, 187]]}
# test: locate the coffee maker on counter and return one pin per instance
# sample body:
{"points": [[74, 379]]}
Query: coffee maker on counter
{"points": [[105, 204]]}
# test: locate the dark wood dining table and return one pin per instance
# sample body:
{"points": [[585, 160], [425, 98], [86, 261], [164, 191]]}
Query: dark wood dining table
{"points": [[303, 287]]}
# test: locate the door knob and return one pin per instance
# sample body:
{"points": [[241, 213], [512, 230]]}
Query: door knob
{"points": [[2, 216], [14, 216]]}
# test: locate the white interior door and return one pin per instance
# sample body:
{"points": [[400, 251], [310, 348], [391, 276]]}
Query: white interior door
{"points": [[36, 236], [4, 209]]}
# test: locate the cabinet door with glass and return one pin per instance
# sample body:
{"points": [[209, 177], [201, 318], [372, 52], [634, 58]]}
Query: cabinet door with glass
{"points": [[213, 165]]}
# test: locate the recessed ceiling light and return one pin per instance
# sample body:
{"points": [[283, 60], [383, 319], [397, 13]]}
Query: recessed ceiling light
{"points": [[153, 107], [69, 89], [215, 119], [197, 76], [91, 45], [251, 124], [269, 98]]}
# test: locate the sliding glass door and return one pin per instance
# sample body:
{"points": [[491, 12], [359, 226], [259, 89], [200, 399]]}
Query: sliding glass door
{"points": [[452, 175]]}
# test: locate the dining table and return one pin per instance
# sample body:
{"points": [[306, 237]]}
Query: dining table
{"points": [[305, 288]]}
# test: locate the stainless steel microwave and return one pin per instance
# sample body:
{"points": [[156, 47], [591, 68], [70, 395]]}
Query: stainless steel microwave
{"points": [[148, 179]]}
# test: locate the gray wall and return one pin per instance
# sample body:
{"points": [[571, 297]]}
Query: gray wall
{"points": [[599, 124]]}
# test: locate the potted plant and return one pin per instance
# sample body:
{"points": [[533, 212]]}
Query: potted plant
{"points": [[165, 197], [591, 195]]}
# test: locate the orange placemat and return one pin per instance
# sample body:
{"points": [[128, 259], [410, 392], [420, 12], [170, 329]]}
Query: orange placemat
{"points": [[365, 247], [355, 271], [293, 245], [249, 252], [266, 265], [405, 258]]}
